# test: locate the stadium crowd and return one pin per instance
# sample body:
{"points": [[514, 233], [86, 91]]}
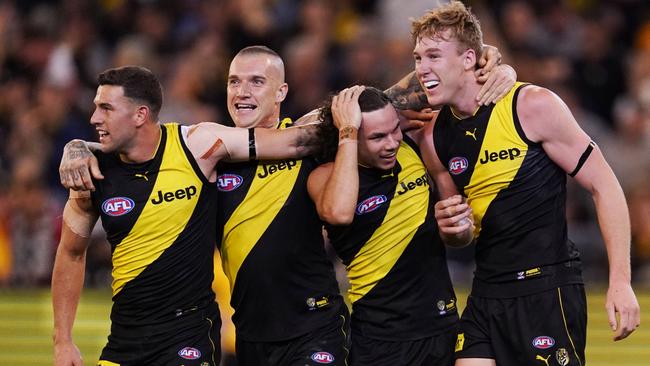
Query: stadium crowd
{"points": [[594, 54]]}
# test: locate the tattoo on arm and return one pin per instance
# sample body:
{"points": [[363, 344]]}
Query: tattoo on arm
{"points": [[409, 97], [348, 132], [307, 141]]}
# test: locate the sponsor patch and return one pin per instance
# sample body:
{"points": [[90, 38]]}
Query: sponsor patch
{"points": [[322, 357], [229, 182], [189, 353], [543, 342], [522, 275], [118, 206], [457, 165], [370, 204]]}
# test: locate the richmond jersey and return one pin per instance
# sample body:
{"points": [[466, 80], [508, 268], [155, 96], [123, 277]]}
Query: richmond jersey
{"points": [[159, 219], [283, 285], [517, 194], [400, 286]]}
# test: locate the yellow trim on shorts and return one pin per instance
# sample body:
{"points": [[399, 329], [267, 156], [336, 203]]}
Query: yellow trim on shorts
{"points": [[107, 363], [566, 328]]}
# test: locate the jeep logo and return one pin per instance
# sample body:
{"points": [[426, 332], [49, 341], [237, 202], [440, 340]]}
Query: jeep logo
{"points": [[501, 155], [269, 169], [186, 192]]}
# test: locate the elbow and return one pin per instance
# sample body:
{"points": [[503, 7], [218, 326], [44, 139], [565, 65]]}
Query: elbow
{"points": [[337, 217]]}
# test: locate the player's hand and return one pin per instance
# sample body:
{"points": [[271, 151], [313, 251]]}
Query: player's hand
{"points": [[413, 120], [77, 165], [345, 108], [67, 354], [497, 84], [622, 310], [454, 216], [490, 58]]}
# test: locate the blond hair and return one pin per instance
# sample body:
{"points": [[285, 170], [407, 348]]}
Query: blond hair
{"points": [[455, 17]]}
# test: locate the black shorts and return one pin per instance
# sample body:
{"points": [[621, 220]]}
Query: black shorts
{"points": [[192, 339], [436, 350], [547, 328], [327, 345]]}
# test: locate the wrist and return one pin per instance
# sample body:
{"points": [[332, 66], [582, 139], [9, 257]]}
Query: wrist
{"points": [[347, 134]]}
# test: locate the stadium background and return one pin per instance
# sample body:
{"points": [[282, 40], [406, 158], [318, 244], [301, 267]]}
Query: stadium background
{"points": [[594, 54]]}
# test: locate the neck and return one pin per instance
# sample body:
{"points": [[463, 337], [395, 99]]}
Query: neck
{"points": [[464, 103], [144, 146]]}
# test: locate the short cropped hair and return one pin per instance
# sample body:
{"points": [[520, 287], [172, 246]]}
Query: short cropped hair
{"points": [[371, 99], [139, 84], [453, 16]]}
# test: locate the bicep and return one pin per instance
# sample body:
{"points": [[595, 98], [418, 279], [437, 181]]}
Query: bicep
{"points": [[79, 218], [210, 142], [545, 118]]}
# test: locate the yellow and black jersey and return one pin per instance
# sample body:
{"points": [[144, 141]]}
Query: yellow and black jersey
{"points": [[399, 281], [517, 194], [159, 217], [283, 285]]}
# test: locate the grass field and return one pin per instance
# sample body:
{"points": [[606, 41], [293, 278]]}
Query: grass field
{"points": [[26, 328]]}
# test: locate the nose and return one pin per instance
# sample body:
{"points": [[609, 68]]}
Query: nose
{"points": [[95, 119], [244, 90]]}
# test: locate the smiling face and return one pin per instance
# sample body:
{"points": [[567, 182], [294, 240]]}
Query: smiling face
{"points": [[379, 138], [116, 119], [256, 88], [441, 67]]}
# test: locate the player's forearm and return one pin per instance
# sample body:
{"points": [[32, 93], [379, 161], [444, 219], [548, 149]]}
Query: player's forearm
{"points": [[294, 142], [339, 198], [67, 283], [407, 94], [614, 220]]}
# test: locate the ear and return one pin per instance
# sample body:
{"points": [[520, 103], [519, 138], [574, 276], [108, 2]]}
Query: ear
{"points": [[142, 114], [281, 93], [470, 59]]}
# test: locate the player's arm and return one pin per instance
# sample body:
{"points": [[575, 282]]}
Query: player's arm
{"points": [[211, 142], [79, 218], [79, 165], [334, 187], [453, 214], [546, 119]]}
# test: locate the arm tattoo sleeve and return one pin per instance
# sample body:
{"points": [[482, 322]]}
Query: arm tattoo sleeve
{"points": [[409, 97]]}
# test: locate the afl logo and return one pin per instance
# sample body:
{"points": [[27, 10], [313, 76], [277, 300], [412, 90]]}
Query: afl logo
{"points": [[457, 165], [322, 357], [118, 206], [543, 342], [370, 204], [229, 182], [189, 353]]}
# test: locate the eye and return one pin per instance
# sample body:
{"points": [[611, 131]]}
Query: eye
{"points": [[233, 82]]}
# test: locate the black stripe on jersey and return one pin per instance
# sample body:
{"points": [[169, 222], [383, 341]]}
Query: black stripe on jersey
{"points": [[515, 116], [191, 159]]}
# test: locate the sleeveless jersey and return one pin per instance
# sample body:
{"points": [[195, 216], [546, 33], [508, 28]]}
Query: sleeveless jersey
{"points": [[159, 219], [517, 194], [399, 282], [283, 284]]}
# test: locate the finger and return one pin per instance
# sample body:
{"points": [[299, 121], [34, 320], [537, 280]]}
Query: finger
{"points": [[94, 169], [453, 200], [485, 89], [356, 93], [87, 179], [611, 316]]}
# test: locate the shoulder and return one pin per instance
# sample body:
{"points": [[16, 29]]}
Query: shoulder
{"points": [[540, 111]]}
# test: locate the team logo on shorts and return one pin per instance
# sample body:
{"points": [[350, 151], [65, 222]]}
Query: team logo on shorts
{"points": [[322, 357], [370, 204], [543, 342], [229, 182], [457, 165], [189, 353], [118, 206], [562, 356]]}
